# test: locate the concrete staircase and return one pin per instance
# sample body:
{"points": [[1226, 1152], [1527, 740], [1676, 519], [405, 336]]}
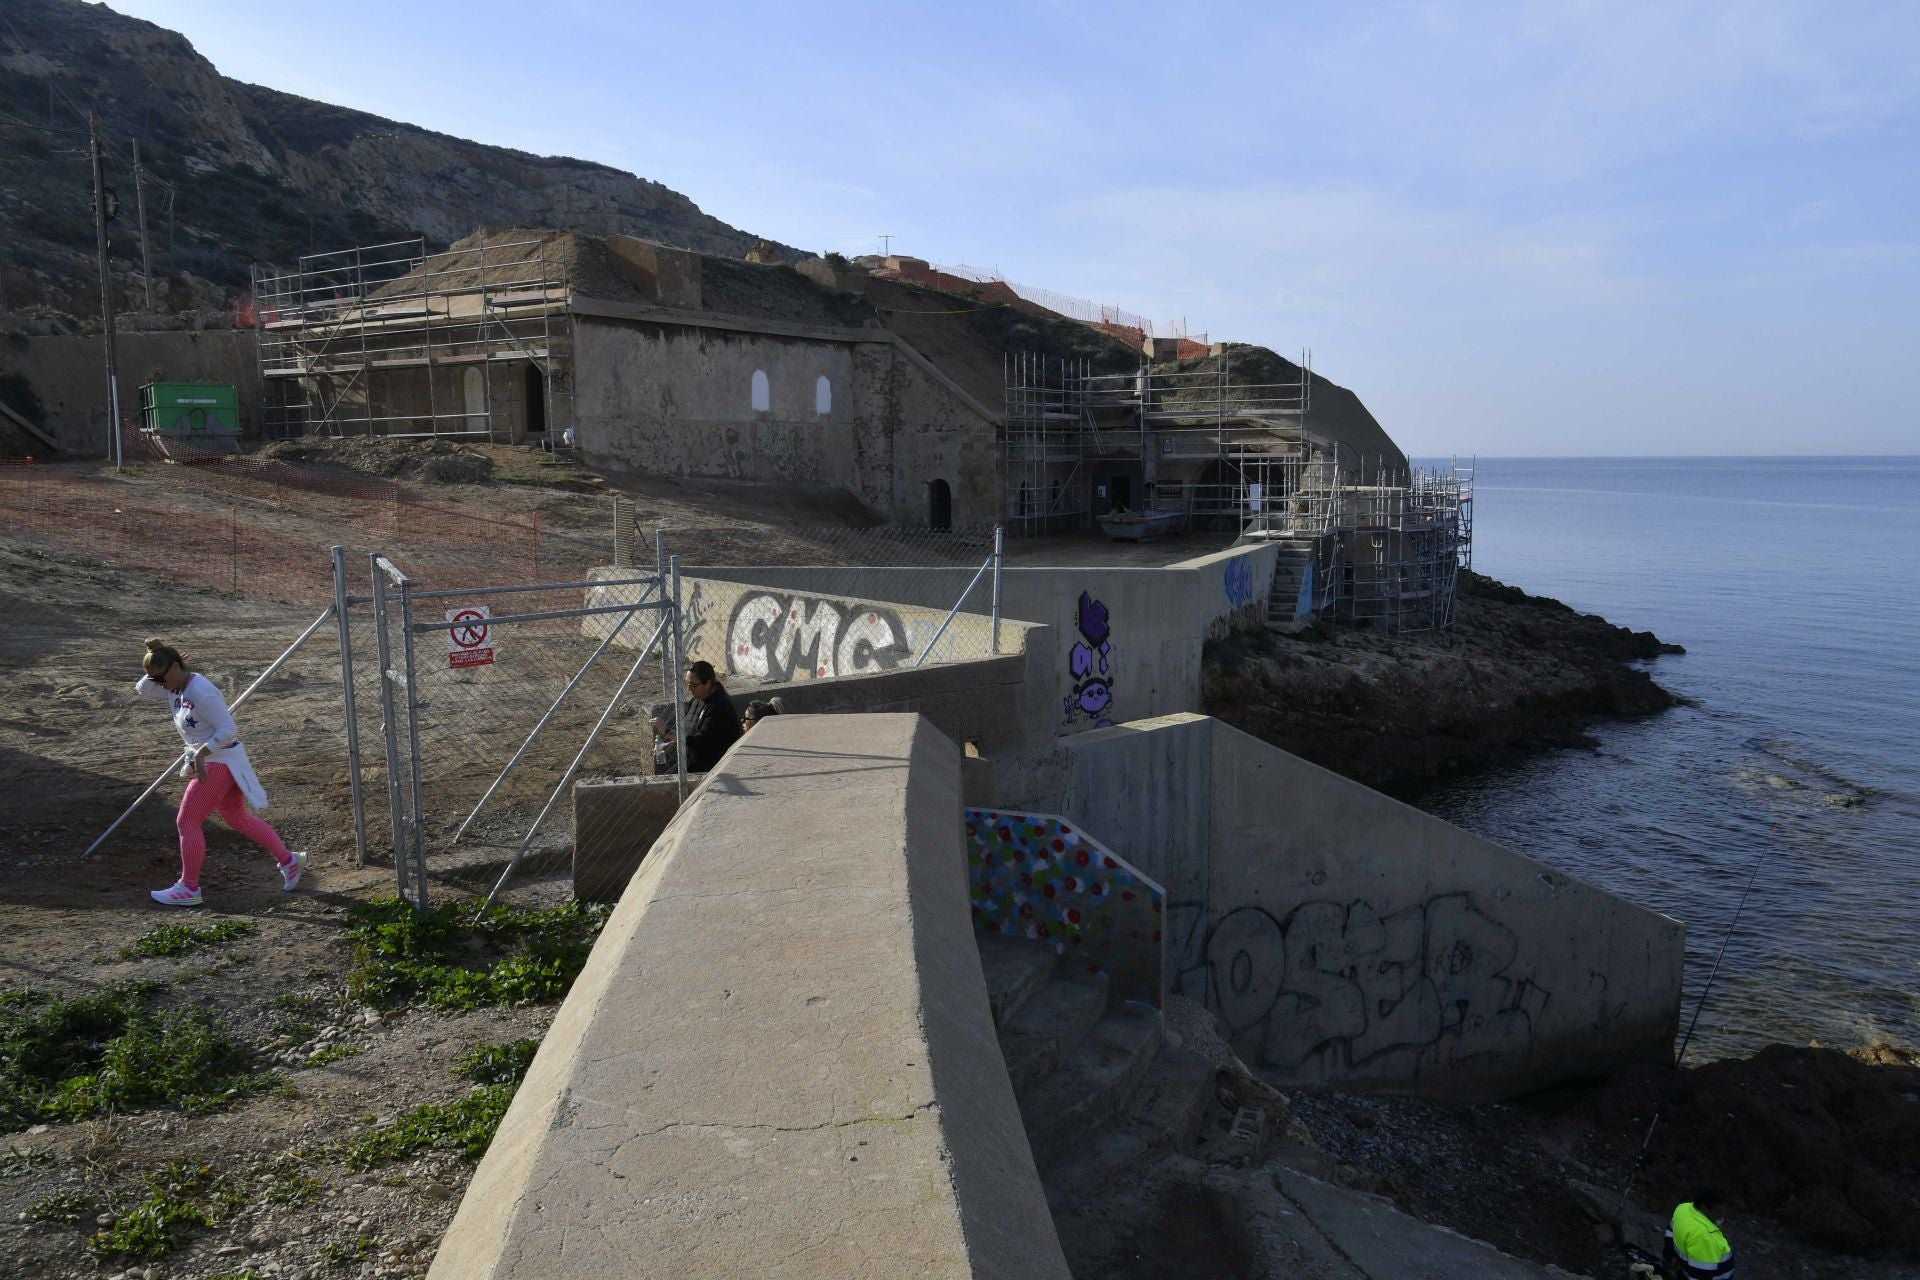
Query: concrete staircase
{"points": [[1289, 571], [1098, 1086]]}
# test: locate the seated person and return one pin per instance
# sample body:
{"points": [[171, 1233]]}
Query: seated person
{"points": [[756, 712], [711, 723]]}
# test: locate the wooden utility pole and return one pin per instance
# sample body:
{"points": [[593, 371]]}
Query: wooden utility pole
{"points": [[140, 208], [102, 214]]}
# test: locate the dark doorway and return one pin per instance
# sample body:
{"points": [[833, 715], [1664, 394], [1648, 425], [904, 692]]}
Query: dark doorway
{"points": [[536, 402], [1122, 492], [939, 504]]}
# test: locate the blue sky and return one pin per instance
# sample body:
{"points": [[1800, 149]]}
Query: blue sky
{"points": [[1618, 228]]}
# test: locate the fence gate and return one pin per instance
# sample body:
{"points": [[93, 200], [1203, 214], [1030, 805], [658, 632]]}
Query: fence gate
{"points": [[495, 699]]}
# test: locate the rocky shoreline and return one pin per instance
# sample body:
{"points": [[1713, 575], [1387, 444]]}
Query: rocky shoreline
{"points": [[1516, 673]]}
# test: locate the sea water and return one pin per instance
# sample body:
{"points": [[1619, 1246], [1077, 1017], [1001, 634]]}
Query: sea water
{"points": [[1794, 584]]}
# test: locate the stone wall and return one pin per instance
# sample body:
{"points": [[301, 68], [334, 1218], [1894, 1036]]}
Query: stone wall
{"points": [[662, 395]]}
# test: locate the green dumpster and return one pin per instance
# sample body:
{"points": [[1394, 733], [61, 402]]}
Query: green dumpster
{"points": [[203, 414]]}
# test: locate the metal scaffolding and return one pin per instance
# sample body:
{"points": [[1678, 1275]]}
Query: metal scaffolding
{"points": [[391, 340], [1047, 440], [1204, 438], [1406, 539]]}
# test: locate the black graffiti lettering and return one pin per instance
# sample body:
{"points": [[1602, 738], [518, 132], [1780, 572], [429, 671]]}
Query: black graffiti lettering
{"points": [[781, 637], [1337, 985]]}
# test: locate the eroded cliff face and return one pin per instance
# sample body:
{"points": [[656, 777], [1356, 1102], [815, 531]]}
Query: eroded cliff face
{"points": [[1516, 672], [259, 175]]}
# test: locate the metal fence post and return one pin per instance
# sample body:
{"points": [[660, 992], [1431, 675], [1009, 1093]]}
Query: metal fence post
{"points": [[679, 701], [419, 845], [999, 559], [670, 651], [388, 714], [347, 706]]}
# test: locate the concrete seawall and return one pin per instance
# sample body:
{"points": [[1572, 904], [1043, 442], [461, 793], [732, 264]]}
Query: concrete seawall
{"points": [[1126, 642], [1346, 937], [779, 1060]]}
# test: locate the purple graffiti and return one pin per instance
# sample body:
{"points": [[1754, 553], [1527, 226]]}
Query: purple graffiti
{"points": [[1088, 662], [1093, 621]]}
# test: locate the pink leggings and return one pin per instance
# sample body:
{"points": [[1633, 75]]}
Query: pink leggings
{"points": [[218, 794]]}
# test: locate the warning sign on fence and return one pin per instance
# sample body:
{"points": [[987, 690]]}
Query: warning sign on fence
{"points": [[469, 637]]}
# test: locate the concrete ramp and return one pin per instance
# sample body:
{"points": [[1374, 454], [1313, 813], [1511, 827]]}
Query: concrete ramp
{"points": [[779, 1060], [1304, 1229]]}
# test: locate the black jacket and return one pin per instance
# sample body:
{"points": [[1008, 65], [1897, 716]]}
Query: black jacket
{"points": [[711, 727]]}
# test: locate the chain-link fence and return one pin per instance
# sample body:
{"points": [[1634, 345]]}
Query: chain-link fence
{"points": [[233, 567], [496, 701]]}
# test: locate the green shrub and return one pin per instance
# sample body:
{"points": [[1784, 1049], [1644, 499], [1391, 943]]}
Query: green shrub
{"points": [[447, 959], [179, 1198], [109, 1050], [69, 1208], [466, 1125], [178, 939], [498, 1063]]}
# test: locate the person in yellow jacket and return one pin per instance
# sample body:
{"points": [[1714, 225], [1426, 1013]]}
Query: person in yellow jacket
{"points": [[1696, 1248]]}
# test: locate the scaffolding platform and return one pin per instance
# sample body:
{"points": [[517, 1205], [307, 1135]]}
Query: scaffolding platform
{"points": [[352, 341]]}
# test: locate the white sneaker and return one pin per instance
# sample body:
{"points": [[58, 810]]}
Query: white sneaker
{"points": [[290, 872], [177, 896]]}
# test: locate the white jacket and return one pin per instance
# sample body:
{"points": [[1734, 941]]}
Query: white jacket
{"points": [[201, 716]]}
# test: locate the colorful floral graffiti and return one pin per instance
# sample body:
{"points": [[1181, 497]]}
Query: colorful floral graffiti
{"points": [[1089, 662], [1034, 875], [1239, 581]]}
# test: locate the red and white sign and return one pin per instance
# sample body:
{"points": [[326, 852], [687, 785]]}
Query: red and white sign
{"points": [[468, 633]]}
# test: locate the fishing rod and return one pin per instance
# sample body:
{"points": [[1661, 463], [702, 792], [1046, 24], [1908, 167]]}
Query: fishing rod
{"points": [[1680, 1056]]}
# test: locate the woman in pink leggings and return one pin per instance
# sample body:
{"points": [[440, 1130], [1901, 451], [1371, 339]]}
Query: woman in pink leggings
{"points": [[223, 779]]}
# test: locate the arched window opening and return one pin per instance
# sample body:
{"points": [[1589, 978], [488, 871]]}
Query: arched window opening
{"points": [[762, 393], [822, 396]]}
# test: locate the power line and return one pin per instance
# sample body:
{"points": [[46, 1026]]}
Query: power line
{"points": [[43, 128]]}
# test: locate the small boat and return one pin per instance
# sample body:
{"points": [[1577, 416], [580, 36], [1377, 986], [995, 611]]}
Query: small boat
{"points": [[1138, 526]]}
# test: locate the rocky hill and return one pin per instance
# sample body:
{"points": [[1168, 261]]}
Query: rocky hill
{"points": [[258, 175]]}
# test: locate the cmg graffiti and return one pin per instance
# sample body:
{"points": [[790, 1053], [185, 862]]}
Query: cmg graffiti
{"points": [[1336, 985], [775, 637], [1089, 664]]}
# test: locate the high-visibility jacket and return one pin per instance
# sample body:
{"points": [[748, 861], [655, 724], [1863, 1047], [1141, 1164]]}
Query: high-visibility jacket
{"points": [[1699, 1246]]}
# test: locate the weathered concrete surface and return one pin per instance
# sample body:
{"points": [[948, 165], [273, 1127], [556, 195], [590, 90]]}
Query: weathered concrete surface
{"points": [[1352, 937], [1304, 1229], [615, 822], [988, 702], [1126, 641], [779, 1060], [830, 653], [1346, 937], [68, 374]]}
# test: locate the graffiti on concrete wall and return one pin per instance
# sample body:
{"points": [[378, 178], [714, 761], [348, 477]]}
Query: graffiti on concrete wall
{"points": [[1034, 875], [693, 620], [781, 637], [1334, 985], [1239, 581], [1089, 664]]}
